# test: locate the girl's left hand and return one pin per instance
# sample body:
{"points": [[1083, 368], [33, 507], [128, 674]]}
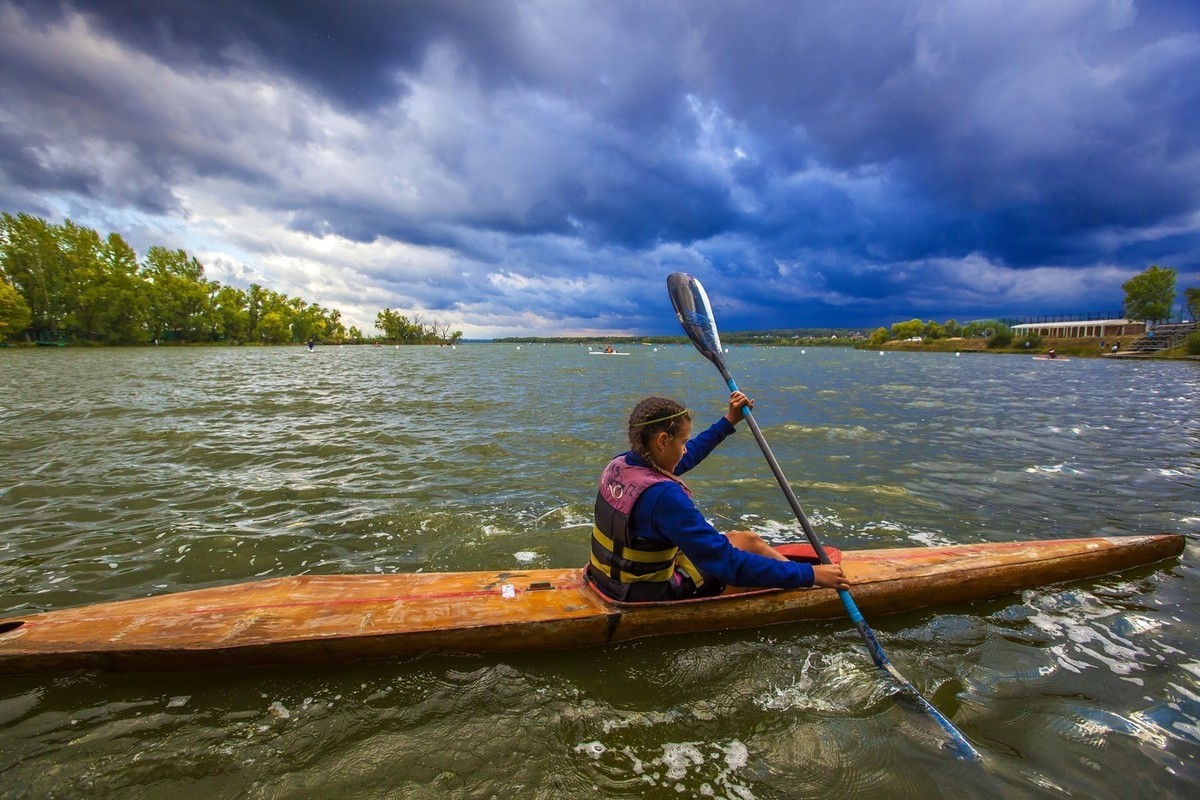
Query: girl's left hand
{"points": [[736, 401]]}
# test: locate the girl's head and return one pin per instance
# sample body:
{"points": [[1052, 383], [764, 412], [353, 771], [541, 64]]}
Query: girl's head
{"points": [[659, 428]]}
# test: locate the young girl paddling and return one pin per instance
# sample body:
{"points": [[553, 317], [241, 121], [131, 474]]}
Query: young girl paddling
{"points": [[650, 542]]}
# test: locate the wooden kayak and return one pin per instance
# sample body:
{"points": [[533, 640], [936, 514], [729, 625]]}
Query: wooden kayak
{"points": [[336, 618]]}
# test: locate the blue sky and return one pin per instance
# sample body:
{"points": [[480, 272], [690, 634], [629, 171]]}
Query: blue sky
{"points": [[540, 167]]}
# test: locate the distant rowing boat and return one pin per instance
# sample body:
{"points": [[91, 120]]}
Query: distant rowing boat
{"points": [[602, 353], [338, 618], [1048, 358]]}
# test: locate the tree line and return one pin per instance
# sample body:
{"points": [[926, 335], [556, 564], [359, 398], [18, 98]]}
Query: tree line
{"points": [[68, 283], [996, 332], [398, 328]]}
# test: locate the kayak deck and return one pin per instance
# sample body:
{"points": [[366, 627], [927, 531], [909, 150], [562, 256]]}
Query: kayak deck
{"points": [[324, 618]]}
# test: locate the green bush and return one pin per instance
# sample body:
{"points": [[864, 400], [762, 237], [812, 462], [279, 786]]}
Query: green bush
{"points": [[1002, 336], [1192, 343]]}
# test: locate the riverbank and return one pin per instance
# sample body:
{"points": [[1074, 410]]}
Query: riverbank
{"points": [[1073, 348]]}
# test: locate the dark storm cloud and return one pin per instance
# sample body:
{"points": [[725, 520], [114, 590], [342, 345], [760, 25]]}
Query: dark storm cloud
{"points": [[830, 163], [350, 51]]}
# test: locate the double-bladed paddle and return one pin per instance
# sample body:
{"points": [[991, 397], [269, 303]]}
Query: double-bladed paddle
{"points": [[695, 315]]}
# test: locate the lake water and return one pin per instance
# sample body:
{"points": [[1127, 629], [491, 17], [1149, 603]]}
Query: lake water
{"points": [[129, 472]]}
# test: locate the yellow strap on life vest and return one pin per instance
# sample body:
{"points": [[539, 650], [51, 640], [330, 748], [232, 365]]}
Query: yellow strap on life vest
{"points": [[685, 564], [640, 556], [661, 576]]}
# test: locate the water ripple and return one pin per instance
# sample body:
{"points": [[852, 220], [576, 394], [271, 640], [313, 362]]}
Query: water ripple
{"points": [[139, 471]]}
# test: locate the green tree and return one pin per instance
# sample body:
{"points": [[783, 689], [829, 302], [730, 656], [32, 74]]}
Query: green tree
{"points": [[14, 311], [335, 330], [30, 259], [1150, 294], [395, 326], [309, 322], [110, 295], [275, 327], [275, 317], [878, 337], [231, 312], [79, 256], [1001, 336], [908, 330], [254, 301], [1191, 298], [179, 297], [981, 327]]}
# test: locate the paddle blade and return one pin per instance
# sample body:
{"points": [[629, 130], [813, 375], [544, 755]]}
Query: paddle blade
{"points": [[695, 315]]}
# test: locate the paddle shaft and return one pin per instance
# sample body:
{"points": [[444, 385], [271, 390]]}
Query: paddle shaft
{"points": [[877, 654], [958, 741], [695, 315]]}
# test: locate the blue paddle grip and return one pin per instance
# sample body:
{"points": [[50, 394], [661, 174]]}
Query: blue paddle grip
{"points": [[851, 607]]}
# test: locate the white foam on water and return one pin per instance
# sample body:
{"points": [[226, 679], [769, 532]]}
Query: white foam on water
{"points": [[691, 768], [929, 538], [636, 719], [1073, 430], [823, 684], [678, 757], [594, 749]]}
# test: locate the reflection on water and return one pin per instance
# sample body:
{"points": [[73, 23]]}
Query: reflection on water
{"points": [[133, 472]]}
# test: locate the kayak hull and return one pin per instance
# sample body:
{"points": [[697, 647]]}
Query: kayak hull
{"points": [[338, 618]]}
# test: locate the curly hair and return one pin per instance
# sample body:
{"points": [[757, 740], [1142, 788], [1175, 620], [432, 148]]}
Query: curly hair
{"points": [[653, 416]]}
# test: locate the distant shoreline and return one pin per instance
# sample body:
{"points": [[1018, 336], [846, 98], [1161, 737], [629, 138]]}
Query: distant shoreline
{"points": [[1072, 348]]}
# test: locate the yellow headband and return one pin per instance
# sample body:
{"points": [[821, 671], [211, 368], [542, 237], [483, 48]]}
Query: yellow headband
{"points": [[660, 419]]}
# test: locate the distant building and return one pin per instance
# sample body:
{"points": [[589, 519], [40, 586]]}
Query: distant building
{"points": [[1081, 329]]}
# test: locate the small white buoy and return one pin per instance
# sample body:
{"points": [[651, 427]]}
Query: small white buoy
{"points": [[956, 355], [802, 352], [880, 352]]}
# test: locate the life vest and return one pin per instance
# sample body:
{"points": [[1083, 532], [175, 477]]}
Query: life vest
{"points": [[629, 567]]}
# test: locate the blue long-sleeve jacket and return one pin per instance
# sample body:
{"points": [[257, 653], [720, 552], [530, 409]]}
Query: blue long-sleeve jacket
{"points": [[665, 513]]}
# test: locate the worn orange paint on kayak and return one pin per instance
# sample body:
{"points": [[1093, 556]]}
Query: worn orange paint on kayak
{"points": [[330, 618]]}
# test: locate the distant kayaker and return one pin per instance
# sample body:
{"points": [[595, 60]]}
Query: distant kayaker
{"points": [[1052, 353], [650, 542]]}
